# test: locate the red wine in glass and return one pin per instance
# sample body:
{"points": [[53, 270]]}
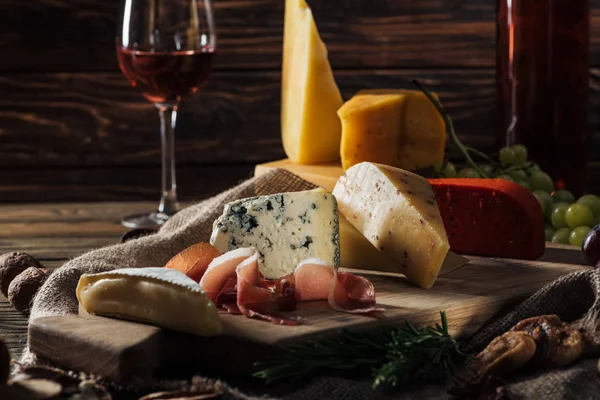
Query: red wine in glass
{"points": [[166, 76], [165, 49]]}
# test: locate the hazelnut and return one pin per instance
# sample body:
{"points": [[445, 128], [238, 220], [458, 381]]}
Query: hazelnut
{"points": [[4, 363], [24, 287], [11, 265]]}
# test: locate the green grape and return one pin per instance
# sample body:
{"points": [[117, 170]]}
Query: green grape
{"points": [[487, 169], [597, 220], [541, 181], [533, 167], [553, 206], [544, 199], [579, 215], [507, 156], [557, 217], [468, 173], [563, 195], [524, 183], [592, 202], [519, 174], [520, 153], [577, 235], [505, 177], [549, 232], [449, 171], [561, 236]]}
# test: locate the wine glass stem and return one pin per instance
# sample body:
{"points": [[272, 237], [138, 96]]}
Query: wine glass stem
{"points": [[168, 118]]}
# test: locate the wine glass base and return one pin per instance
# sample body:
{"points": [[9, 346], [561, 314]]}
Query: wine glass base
{"points": [[152, 219]]}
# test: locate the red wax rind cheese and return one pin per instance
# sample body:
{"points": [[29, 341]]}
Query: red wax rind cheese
{"points": [[490, 217]]}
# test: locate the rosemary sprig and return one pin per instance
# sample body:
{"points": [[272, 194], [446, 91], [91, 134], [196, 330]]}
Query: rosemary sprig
{"points": [[351, 352], [393, 357], [420, 354]]}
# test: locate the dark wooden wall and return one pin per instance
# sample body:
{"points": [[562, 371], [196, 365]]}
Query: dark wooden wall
{"points": [[72, 129]]}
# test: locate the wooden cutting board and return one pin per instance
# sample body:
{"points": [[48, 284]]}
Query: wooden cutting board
{"points": [[323, 175], [126, 351]]}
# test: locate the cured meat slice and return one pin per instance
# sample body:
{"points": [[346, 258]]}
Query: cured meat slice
{"points": [[221, 269], [353, 294], [227, 297], [316, 280], [255, 300], [312, 279]]}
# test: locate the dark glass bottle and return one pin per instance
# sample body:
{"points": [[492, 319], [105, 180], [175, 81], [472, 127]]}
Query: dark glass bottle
{"points": [[542, 77]]}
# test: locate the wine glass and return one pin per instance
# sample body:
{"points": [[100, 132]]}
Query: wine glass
{"points": [[165, 49]]}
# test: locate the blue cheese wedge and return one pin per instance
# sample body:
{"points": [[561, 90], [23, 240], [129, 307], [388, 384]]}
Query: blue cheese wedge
{"points": [[158, 296], [397, 212], [285, 228]]}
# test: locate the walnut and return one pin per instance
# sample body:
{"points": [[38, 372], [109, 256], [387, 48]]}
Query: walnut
{"points": [[4, 363], [11, 265], [506, 353], [24, 287], [557, 342]]}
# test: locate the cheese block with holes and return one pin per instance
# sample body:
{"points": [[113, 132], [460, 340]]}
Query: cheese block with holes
{"points": [[400, 128]]}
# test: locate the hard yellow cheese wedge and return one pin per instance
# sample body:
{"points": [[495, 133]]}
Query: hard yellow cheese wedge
{"points": [[397, 212], [159, 296], [400, 128], [310, 98]]}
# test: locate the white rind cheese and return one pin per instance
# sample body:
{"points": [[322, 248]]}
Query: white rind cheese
{"points": [[159, 296], [397, 212], [285, 228]]}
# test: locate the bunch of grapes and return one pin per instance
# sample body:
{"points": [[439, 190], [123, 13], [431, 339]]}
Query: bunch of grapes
{"points": [[567, 220]]}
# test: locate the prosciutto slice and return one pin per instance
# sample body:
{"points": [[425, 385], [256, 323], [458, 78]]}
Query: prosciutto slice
{"points": [[255, 300], [316, 280], [222, 269], [234, 283]]}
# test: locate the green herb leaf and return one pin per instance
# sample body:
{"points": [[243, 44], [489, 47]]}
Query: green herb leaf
{"points": [[394, 356]]}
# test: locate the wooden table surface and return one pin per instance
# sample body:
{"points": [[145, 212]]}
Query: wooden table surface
{"points": [[57, 232]]}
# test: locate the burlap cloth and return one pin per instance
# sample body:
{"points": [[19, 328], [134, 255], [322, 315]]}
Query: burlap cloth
{"points": [[570, 297]]}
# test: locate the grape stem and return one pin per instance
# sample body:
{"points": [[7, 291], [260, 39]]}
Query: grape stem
{"points": [[482, 155], [450, 128], [517, 167]]}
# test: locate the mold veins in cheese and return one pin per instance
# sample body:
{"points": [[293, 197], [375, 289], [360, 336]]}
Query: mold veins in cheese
{"points": [[398, 213], [159, 296], [310, 98], [285, 228], [400, 128]]}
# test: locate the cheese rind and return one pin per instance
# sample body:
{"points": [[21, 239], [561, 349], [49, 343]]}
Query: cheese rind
{"points": [[159, 296], [310, 98], [285, 228], [400, 128], [398, 213]]}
